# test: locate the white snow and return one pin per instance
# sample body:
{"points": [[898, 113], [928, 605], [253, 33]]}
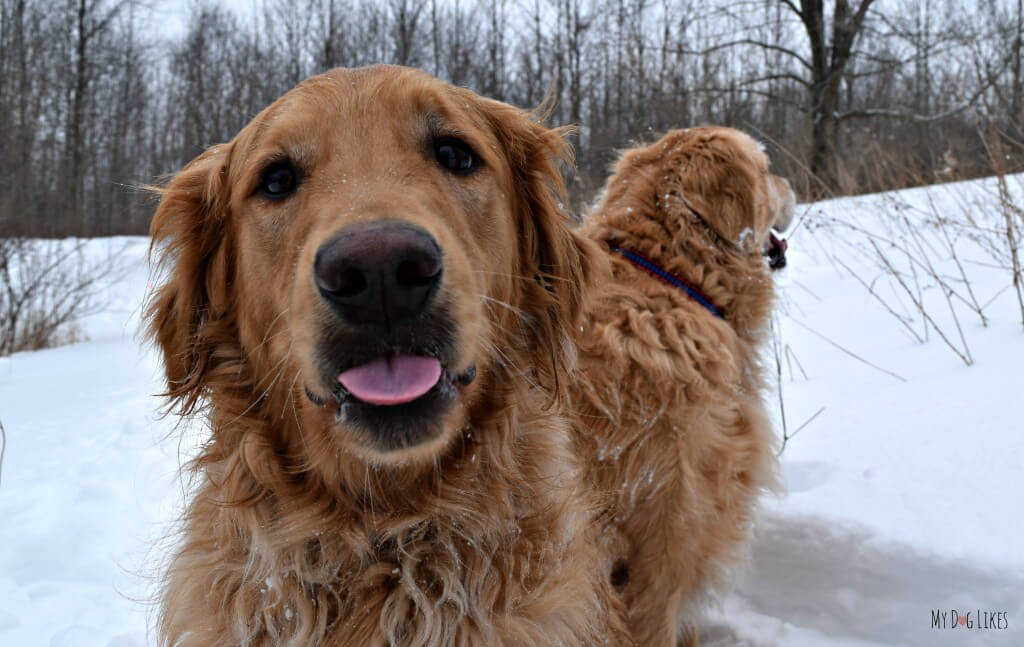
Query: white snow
{"points": [[89, 483], [904, 493]]}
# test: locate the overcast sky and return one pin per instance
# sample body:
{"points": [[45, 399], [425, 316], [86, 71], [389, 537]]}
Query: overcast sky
{"points": [[170, 17]]}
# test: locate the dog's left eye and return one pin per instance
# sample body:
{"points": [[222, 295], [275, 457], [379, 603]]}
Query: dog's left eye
{"points": [[456, 156], [278, 181]]}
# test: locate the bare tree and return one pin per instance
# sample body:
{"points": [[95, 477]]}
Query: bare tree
{"points": [[88, 24], [405, 16], [851, 95], [831, 50]]}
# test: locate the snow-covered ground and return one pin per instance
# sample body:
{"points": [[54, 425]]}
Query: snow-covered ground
{"points": [[905, 488], [904, 494]]}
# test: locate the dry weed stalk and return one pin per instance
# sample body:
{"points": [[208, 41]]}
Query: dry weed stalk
{"points": [[918, 253], [45, 286], [1011, 215]]}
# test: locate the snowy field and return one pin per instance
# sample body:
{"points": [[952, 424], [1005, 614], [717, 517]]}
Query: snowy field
{"points": [[905, 476]]}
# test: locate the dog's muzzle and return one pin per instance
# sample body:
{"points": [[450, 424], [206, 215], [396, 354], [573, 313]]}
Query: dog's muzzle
{"points": [[775, 249]]}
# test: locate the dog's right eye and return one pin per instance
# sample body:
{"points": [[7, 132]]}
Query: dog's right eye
{"points": [[278, 181], [456, 156]]}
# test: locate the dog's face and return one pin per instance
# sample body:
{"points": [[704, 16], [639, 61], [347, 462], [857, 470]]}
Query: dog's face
{"points": [[720, 175], [375, 245]]}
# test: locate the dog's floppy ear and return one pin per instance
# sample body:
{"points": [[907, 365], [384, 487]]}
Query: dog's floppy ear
{"points": [[554, 262], [715, 174], [189, 315]]}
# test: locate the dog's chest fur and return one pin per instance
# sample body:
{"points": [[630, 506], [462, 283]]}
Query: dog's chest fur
{"points": [[493, 553]]}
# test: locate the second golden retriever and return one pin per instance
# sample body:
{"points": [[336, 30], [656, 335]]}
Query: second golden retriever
{"points": [[672, 423]]}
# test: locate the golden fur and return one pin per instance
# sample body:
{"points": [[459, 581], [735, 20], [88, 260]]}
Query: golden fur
{"points": [[672, 427], [299, 531]]}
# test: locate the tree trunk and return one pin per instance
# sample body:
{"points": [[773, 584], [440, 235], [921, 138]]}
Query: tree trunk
{"points": [[1017, 102], [73, 193], [828, 62]]}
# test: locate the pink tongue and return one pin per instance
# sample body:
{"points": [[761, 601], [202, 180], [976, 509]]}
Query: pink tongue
{"points": [[392, 380]]}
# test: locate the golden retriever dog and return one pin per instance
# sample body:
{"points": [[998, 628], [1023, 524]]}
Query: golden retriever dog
{"points": [[672, 428], [370, 294]]}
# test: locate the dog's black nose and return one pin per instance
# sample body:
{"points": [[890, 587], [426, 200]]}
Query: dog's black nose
{"points": [[382, 273]]}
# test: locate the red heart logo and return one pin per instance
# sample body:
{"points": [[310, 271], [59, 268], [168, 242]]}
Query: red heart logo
{"points": [[962, 620]]}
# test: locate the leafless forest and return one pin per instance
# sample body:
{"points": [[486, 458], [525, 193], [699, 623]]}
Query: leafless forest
{"points": [[848, 96]]}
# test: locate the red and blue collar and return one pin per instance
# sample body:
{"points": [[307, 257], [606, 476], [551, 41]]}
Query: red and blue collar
{"points": [[665, 276]]}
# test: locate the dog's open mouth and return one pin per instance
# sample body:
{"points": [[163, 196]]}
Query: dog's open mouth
{"points": [[392, 380], [395, 380], [396, 400], [775, 249], [391, 387]]}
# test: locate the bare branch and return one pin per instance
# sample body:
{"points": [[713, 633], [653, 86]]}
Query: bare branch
{"points": [[793, 8], [848, 351], [807, 422], [900, 114], [760, 93], [746, 41], [777, 77]]}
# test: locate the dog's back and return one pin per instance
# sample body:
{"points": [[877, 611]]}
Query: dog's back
{"points": [[672, 420]]}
